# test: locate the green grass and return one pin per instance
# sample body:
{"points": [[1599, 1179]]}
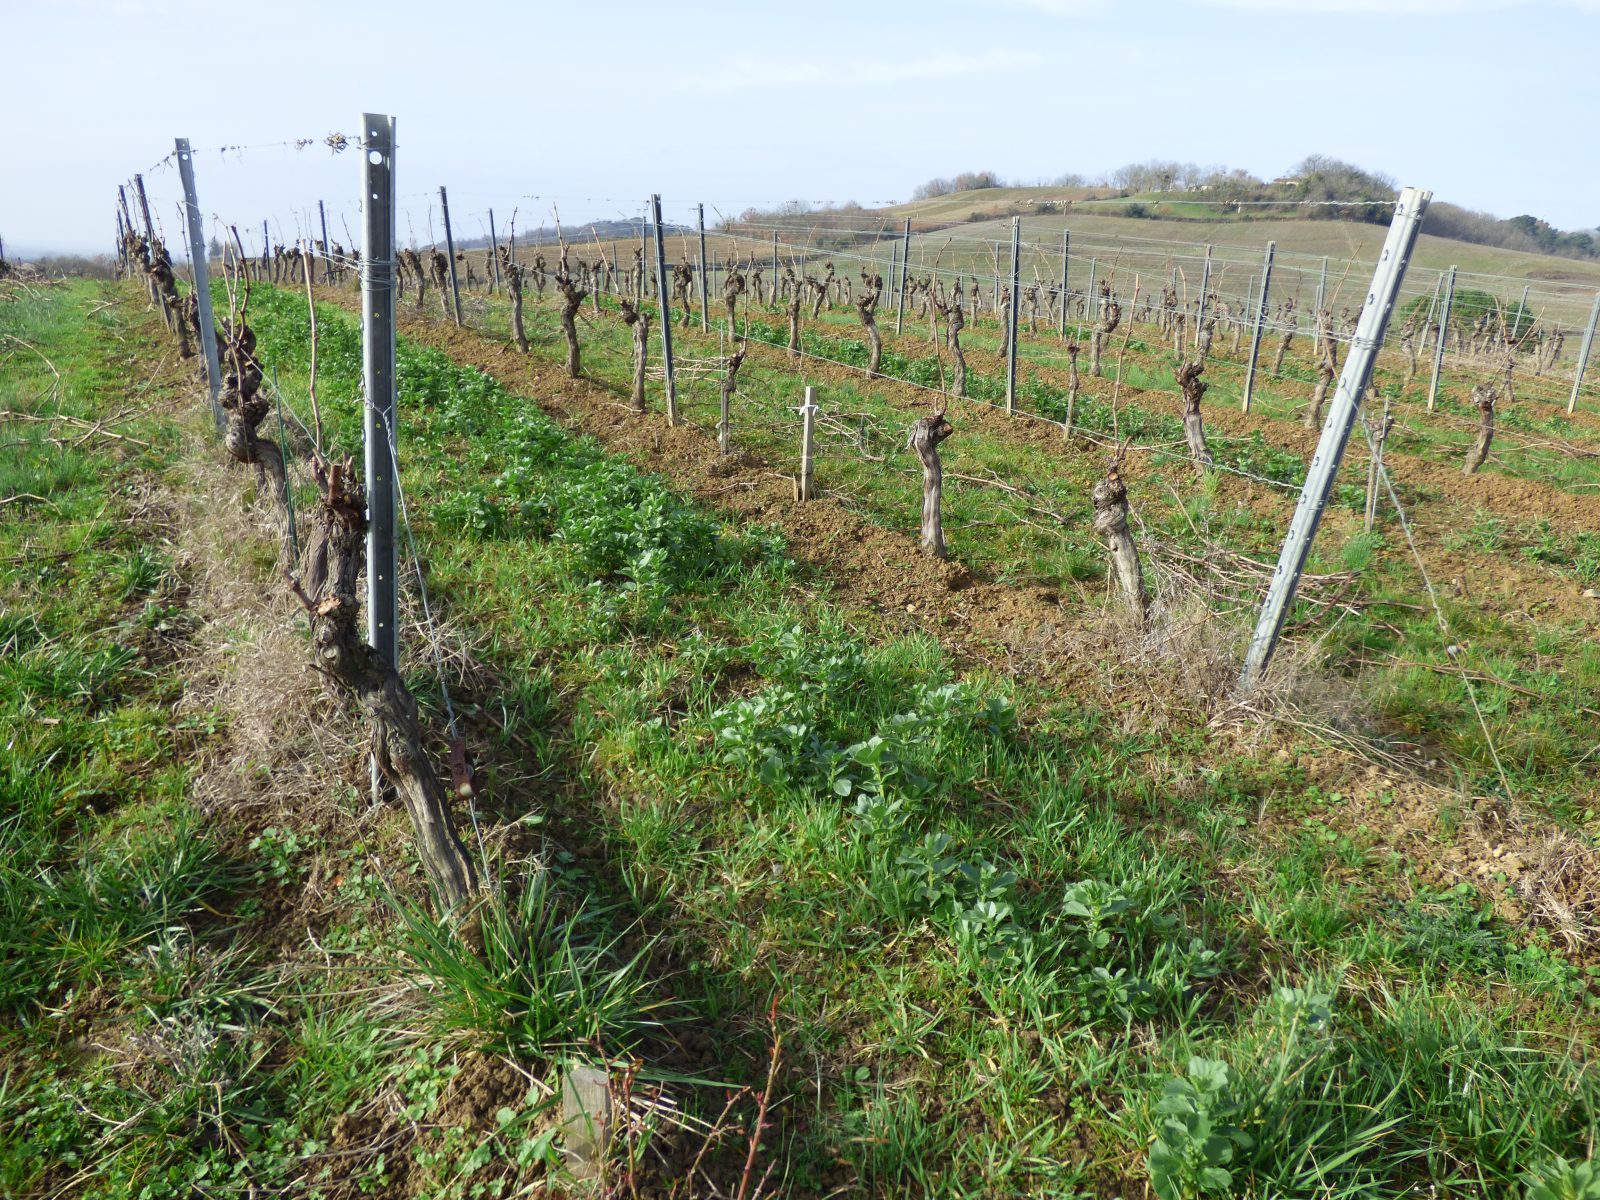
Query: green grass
{"points": [[159, 1034], [1530, 433], [930, 871], [1539, 724], [108, 873], [1015, 945]]}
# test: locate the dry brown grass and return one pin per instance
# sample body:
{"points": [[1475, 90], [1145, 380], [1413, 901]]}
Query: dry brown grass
{"points": [[1562, 888], [292, 755], [1177, 666]]}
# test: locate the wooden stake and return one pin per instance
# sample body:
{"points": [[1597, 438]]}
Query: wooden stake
{"points": [[808, 433]]}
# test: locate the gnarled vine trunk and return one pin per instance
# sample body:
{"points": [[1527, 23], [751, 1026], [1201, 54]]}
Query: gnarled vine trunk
{"points": [[571, 297], [732, 288], [1073, 383], [819, 293], [1408, 343], [513, 277], [926, 434], [1110, 498], [1194, 431], [954, 323], [164, 282], [246, 408], [730, 385], [957, 324], [634, 317], [413, 263], [1110, 318], [1208, 327], [1327, 369], [440, 266], [1484, 395], [796, 298], [866, 306], [824, 292], [682, 283], [1291, 325], [334, 553]]}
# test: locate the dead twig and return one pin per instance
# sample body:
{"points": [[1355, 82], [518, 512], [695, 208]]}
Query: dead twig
{"points": [[28, 496], [774, 1057], [93, 427]]}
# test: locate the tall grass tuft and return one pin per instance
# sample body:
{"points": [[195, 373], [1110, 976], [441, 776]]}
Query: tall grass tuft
{"points": [[551, 974]]}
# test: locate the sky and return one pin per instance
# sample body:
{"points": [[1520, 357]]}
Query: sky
{"points": [[584, 111]]}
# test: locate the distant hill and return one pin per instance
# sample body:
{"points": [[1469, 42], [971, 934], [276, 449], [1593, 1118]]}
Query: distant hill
{"points": [[576, 235], [1318, 187], [1165, 230]]}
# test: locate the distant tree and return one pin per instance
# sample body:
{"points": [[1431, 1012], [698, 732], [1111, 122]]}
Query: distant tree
{"points": [[1552, 240], [1539, 231], [967, 181], [1522, 232], [1322, 177], [1362, 195], [972, 181], [1156, 175], [1130, 178], [1232, 186]]}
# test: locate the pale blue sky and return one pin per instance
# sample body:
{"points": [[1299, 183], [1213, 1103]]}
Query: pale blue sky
{"points": [[1491, 104]]}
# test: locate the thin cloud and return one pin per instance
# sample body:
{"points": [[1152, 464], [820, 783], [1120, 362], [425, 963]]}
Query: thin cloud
{"points": [[1083, 8], [1057, 8], [1411, 7], [744, 73]]}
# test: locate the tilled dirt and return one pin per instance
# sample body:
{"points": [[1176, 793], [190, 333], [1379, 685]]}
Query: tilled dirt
{"points": [[1536, 399], [870, 568], [1521, 585], [1516, 497]]}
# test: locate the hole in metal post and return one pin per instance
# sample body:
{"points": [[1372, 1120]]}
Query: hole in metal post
{"points": [[374, 157]]}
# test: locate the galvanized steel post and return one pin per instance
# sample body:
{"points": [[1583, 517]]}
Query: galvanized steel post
{"points": [[1336, 429], [1439, 338], [379, 432], [705, 318], [202, 277], [450, 251], [666, 310], [1011, 314], [1583, 355], [327, 250], [905, 269], [1261, 320]]}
